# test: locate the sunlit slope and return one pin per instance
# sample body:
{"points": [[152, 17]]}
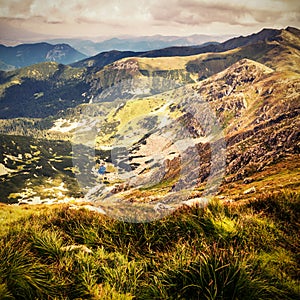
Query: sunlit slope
{"points": [[256, 107], [281, 54]]}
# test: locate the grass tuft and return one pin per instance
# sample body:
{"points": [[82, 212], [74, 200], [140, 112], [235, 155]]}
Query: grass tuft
{"points": [[248, 251]]}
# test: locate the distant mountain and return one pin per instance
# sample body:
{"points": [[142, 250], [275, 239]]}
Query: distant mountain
{"points": [[262, 36], [27, 54], [138, 44], [264, 46], [104, 58]]}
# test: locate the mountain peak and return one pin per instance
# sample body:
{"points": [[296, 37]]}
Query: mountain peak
{"points": [[250, 62], [293, 30], [245, 70]]}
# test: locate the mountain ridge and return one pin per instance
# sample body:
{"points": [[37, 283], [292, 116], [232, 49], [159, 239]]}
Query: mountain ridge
{"points": [[264, 36], [138, 44], [253, 93]]}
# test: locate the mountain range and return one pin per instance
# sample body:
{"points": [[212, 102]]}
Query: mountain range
{"points": [[57, 87], [139, 44], [156, 117], [66, 51]]}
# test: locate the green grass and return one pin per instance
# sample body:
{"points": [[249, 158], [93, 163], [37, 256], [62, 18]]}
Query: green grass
{"points": [[248, 251]]}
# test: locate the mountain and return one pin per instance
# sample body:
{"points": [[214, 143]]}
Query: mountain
{"points": [[169, 128], [86, 79], [28, 54], [264, 46], [260, 128], [265, 36], [138, 44], [201, 190], [257, 107]]}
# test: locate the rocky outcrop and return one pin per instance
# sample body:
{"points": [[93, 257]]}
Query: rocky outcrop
{"points": [[263, 127]]}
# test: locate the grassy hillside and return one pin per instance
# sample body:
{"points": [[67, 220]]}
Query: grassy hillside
{"points": [[40, 90], [248, 251]]}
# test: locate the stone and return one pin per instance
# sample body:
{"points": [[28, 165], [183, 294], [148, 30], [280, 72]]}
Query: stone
{"points": [[161, 206], [250, 190], [82, 248], [195, 202], [248, 180]]}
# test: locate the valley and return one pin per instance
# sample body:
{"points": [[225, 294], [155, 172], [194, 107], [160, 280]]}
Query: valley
{"points": [[160, 174]]}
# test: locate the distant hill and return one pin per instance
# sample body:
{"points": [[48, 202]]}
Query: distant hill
{"points": [[144, 43], [27, 54], [41, 90], [104, 58]]}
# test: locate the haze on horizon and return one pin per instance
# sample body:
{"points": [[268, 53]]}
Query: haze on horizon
{"points": [[35, 19]]}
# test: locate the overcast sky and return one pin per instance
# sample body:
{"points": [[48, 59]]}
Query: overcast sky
{"points": [[93, 18]]}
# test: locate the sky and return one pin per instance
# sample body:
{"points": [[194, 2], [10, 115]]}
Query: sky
{"points": [[35, 19]]}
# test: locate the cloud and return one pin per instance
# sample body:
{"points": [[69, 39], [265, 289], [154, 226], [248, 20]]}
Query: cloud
{"points": [[191, 12], [234, 12], [149, 16], [72, 10]]}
